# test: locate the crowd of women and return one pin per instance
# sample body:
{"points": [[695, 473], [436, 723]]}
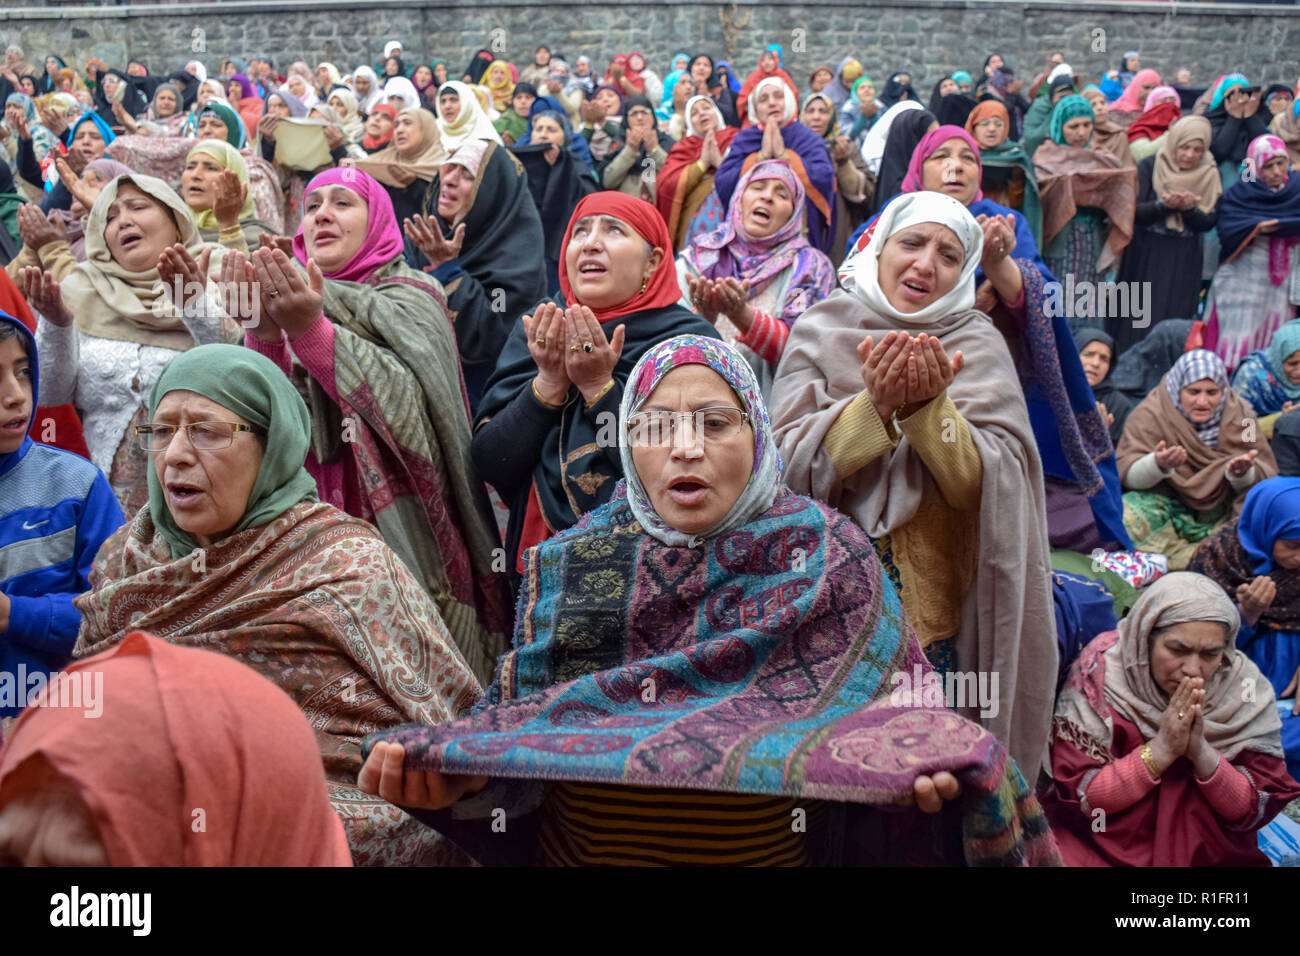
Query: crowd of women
{"points": [[684, 466]]}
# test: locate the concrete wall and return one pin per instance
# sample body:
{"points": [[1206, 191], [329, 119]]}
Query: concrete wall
{"points": [[928, 36]]}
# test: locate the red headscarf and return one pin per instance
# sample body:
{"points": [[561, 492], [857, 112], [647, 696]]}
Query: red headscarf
{"points": [[183, 729], [636, 79], [914, 180], [662, 289], [367, 141], [1155, 122]]}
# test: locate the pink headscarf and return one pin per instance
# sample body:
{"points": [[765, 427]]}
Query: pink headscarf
{"points": [[1158, 94], [912, 182], [1263, 148], [1128, 103], [383, 237]]}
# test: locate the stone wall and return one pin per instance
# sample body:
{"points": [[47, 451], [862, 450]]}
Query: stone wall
{"points": [[929, 36]]}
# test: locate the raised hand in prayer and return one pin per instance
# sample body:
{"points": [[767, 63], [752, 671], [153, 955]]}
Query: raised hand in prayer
{"points": [[1238, 466], [20, 127], [547, 344], [334, 136], [35, 230], [1105, 414], [76, 162], [56, 123], [773, 146], [294, 304], [929, 370], [999, 240], [266, 126], [884, 371], [703, 297], [426, 234], [123, 117], [1254, 599], [237, 271], [175, 262], [79, 189], [732, 297], [383, 775], [590, 370], [592, 113], [41, 291], [228, 200], [929, 793], [283, 243], [1168, 458], [710, 153], [1170, 742]]}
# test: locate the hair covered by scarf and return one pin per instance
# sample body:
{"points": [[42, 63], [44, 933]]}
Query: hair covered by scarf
{"points": [[181, 728], [989, 109], [1069, 108], [251, 386], [1192, 367], [1263, 150], [383, 239], [759, 492], [914, 181], [1284, 344], [229, 158], [1233, 721]]}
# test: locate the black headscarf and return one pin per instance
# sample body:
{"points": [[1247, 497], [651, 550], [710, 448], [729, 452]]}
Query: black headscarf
{"points": [[904, 136], [1116, 402], [665, 141], [896, 92], [954, 109], [935, 96], [47, 83], [133, 101], [188, 84], [478, 65]]}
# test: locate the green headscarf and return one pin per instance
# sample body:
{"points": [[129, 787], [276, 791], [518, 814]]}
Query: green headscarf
{"points": [[1070, 107], [253, 387], [853, 93], [227, 114]]}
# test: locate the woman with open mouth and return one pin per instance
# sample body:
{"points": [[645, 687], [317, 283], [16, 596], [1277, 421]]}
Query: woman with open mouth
{"points": [[957, 509], [543, 436], [756, 275], [107, 330], [701, 661], [204, 565], [215, 185]]}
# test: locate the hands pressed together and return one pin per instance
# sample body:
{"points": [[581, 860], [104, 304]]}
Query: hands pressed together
{"points": [[1182, 730], [901, 370], [729, 297]]}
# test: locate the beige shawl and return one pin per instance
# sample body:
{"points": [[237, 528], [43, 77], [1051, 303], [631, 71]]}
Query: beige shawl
{"points": [[1203, 180], [1007, 619], [423, 162], [111, 302]]}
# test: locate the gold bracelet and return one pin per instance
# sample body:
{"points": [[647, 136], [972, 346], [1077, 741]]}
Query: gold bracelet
{"points": [[538, 395], [1150, 761], [602, 393]]}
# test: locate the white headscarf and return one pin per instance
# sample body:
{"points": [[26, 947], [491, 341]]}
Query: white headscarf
{"points": [[873, 146], [376, 93], [390, 46], [690, 130], [471, 122], [909, 209], [401, 86], [791, 104], [200, 71], [1061, 69]]}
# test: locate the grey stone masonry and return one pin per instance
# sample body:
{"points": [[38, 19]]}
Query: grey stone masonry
{"points": [[930, 37]]}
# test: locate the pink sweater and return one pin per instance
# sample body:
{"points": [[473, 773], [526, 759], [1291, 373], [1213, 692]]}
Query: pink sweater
{"points": [[337, 483], [1126, 781]]}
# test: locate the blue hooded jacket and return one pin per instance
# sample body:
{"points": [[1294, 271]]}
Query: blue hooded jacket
{"points": [[56, 509]]}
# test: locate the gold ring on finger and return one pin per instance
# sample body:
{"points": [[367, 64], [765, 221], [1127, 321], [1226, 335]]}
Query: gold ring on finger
{"points": [[573, 348], [541, 342]]}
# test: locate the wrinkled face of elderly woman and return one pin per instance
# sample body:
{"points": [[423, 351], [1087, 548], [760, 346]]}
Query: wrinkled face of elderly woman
{"points": [[297, 85], [45, 822], [770, 103], [1188, 155], [455, 192], [208, 474], [1286, 554], [1096, 361], [334, 225], [704, 118], [920, 264], [138, 229], [816, 116], [765, 206], [1077, 131], [1272, 174], [547, 130], [694, 469], [607, 261], [165, 104], [953, 169], [1191, 649], [1200, 399]]}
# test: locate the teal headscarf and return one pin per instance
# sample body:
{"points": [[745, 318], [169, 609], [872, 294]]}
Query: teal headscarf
{"points": [[961, 76], [252, 386], [1286, 340], [1071, 107], [227, 115], [1225, 84]]}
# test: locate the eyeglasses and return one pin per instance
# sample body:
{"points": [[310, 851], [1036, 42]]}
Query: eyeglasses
{"points": [[659, 429], [992, 123], [204, 436]]}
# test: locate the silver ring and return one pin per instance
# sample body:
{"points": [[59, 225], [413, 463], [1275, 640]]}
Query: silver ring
{"points": [[1180, 715], [274, 292]]}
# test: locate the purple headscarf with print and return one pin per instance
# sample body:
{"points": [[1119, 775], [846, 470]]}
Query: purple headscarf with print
{"points": [[731, 252]]}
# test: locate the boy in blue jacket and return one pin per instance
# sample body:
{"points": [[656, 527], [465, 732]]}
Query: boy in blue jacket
{"points": [[56, 509]]}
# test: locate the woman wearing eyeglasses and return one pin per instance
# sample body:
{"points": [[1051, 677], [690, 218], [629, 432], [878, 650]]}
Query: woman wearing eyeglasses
{"points": [[234, 553], [705, 672]]}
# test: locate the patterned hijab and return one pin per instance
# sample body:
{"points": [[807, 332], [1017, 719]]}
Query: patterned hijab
{"points": [[1262, 150], [1234, 721], [251, 386], [759, 492], [1193, 367], [731, 252]]}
